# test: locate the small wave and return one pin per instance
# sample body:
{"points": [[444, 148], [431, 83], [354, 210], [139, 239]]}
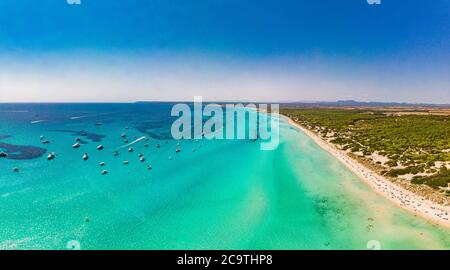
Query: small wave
{"points": [[133, 142], [92, 115], [14, 111], [37, 121], [76, 117]]}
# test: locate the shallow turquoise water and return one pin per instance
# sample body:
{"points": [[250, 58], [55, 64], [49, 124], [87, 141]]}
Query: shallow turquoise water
{"points": [[225, 195]]}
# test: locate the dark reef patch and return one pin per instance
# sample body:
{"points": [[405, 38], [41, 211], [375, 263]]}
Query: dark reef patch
{"points": [[159, 130], [91, 136], [21, 152], [326, 206]]}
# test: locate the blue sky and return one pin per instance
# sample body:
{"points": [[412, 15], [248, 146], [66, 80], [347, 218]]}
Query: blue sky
{"points": [[117, 50]]}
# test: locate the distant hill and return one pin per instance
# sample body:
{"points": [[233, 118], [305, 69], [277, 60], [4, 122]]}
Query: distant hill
{"points": [[354, 103], [339, 103]]}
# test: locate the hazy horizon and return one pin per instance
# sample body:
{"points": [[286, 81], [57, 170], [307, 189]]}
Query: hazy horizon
{"points": [[318, 102]]}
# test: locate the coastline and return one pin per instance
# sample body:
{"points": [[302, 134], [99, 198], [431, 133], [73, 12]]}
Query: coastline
{"points": [[415, 204]]}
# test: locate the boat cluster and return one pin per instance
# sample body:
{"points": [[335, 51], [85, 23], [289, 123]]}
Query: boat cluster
{"points": [[85, 156]]}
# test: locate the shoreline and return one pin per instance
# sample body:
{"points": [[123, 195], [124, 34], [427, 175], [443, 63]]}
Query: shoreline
{"points": [[415, 204]]}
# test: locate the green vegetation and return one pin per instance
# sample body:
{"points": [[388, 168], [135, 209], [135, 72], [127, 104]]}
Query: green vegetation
{"points": [[413, 143], [441, 179], [407, 170]]}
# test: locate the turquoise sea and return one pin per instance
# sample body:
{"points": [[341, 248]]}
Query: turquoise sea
{"points": [[218, 194]]}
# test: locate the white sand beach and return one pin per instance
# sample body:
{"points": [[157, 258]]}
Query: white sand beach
{"points": [[416, 204]]}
